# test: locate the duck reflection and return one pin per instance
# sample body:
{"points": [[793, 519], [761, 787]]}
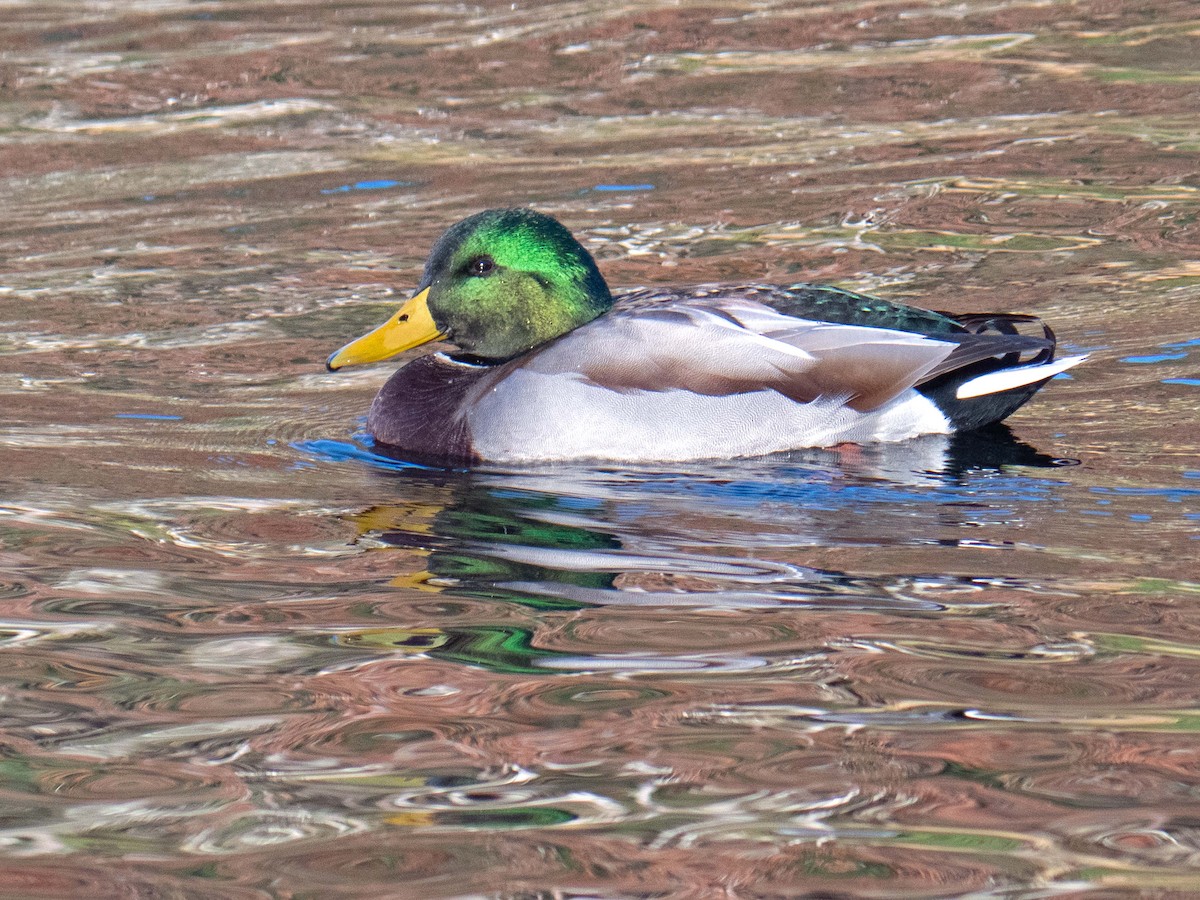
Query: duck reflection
{"points": [[727, 535]]}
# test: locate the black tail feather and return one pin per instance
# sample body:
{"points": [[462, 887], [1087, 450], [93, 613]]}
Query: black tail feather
{"points": [[993, 341]]}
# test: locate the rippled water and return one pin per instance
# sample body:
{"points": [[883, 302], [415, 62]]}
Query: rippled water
{"points": [[245, 656]]}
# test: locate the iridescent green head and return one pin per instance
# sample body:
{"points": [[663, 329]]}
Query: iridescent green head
{"points": [[505, 280], [496, 284]]}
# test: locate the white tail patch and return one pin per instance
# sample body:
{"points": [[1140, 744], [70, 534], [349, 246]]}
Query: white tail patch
{"points": [[1007, 379]]}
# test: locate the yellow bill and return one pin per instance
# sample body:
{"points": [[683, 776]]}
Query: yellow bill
{"points": [[410, 327]]}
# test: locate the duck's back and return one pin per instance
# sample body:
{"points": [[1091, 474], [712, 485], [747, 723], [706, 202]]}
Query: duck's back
{"points": [[814, 302]]}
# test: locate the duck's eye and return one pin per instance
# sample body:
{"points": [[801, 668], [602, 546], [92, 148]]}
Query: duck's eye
{"points": [[482, 266]]}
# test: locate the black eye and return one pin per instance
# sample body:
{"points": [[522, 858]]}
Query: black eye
{"points": [[482, 266]]}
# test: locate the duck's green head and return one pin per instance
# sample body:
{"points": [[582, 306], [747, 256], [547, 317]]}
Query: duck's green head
{"points": [[496, 284]]}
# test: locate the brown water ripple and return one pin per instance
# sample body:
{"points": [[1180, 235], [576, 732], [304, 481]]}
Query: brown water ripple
{"points": [[97, 876], [997, 686], [984, 673]]}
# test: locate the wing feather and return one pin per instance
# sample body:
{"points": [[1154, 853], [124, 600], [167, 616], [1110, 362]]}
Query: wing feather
{"points": [[723, 346]]}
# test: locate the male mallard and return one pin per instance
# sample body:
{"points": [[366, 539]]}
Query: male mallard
{"points": [[551, 367]]}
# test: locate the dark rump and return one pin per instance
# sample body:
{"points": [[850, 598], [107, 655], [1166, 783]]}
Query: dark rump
{"points": [[993, 341]]}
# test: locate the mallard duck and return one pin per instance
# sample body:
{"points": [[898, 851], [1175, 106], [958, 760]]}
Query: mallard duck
{"points": [[550, 365]]}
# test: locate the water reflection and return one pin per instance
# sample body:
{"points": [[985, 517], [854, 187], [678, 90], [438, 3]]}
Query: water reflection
{"points": [[569, 538], [244, 656]]}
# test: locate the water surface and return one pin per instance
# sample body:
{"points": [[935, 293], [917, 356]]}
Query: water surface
{"points": [[245, 656]]}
